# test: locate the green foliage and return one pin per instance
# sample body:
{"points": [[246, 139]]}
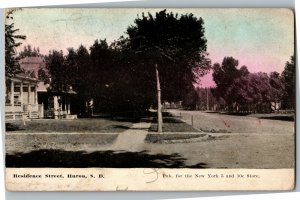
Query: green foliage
{"points": [[176, 44], [73, 71], [56, 67], [289, 79], [29, 52], [11, 42], [121, 76], [239, 87], [258, 89], [224, 75], [44, 76]]}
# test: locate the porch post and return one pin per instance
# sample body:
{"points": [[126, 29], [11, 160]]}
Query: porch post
{"points": [[21, 93], [29, 102], [56, 107], [12, 94], [35, 95], [65, 105], [68, 105], [29, 91]]}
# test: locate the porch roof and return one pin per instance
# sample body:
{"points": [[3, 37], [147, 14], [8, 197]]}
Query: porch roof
{"points": [[23, 77]]}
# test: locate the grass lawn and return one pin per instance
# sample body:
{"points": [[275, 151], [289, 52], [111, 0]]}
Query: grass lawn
{"points": [[169, 138], [171, 124], [31, 142], [98, 125]]}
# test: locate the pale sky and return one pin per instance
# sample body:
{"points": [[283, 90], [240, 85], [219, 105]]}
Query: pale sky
{"points": [[261, 39]]}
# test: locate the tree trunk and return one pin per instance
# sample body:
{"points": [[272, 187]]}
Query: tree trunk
{"points": [[159, 107]]}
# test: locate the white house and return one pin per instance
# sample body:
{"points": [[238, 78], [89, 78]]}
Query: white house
{"points": [[28, 97], [21, 97]]}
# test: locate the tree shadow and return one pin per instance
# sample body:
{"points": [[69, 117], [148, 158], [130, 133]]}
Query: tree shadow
{"points": [[129, 116], [282, 118], [120, 127], [108, 159], [127, 127], [200, 165], [235, 113], [172, 120]]}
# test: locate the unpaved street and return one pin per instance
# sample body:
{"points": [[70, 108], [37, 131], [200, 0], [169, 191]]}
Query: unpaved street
{"points": [[215, 122]]}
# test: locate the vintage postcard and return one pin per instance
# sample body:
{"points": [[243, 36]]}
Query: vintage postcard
{"points": [[149, 99]]}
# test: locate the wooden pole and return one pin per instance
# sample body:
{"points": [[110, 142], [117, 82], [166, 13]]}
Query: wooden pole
{"points": [[207, 103], [192, 120], [159, 107]]}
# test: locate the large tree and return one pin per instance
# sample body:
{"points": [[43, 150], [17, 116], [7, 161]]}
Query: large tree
{"points": [[255, 92], [176, 44], [70, 72], [121, 76], [277, 88], [289, 80], [12, 41], [224, 76], [106, 73], [55, 65]]}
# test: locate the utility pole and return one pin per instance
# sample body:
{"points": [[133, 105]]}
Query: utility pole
{"points": [[159, 107], [207, 100]]}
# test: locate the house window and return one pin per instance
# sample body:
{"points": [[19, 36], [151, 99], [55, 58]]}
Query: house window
{"points": [[17, 89], [25, 89], [17, 100]]}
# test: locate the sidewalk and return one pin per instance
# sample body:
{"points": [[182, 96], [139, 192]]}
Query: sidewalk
{"points": [[132, 139]]}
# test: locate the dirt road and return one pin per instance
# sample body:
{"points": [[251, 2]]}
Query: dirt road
{"points": [[215, 122]]}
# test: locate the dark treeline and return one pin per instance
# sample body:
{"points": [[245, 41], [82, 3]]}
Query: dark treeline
{"points": [[120, 76], [238, 90]]}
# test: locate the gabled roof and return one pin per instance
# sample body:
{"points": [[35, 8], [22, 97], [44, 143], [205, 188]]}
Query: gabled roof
{"points": [[23, 77], [32, 64], [32, 59]]}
